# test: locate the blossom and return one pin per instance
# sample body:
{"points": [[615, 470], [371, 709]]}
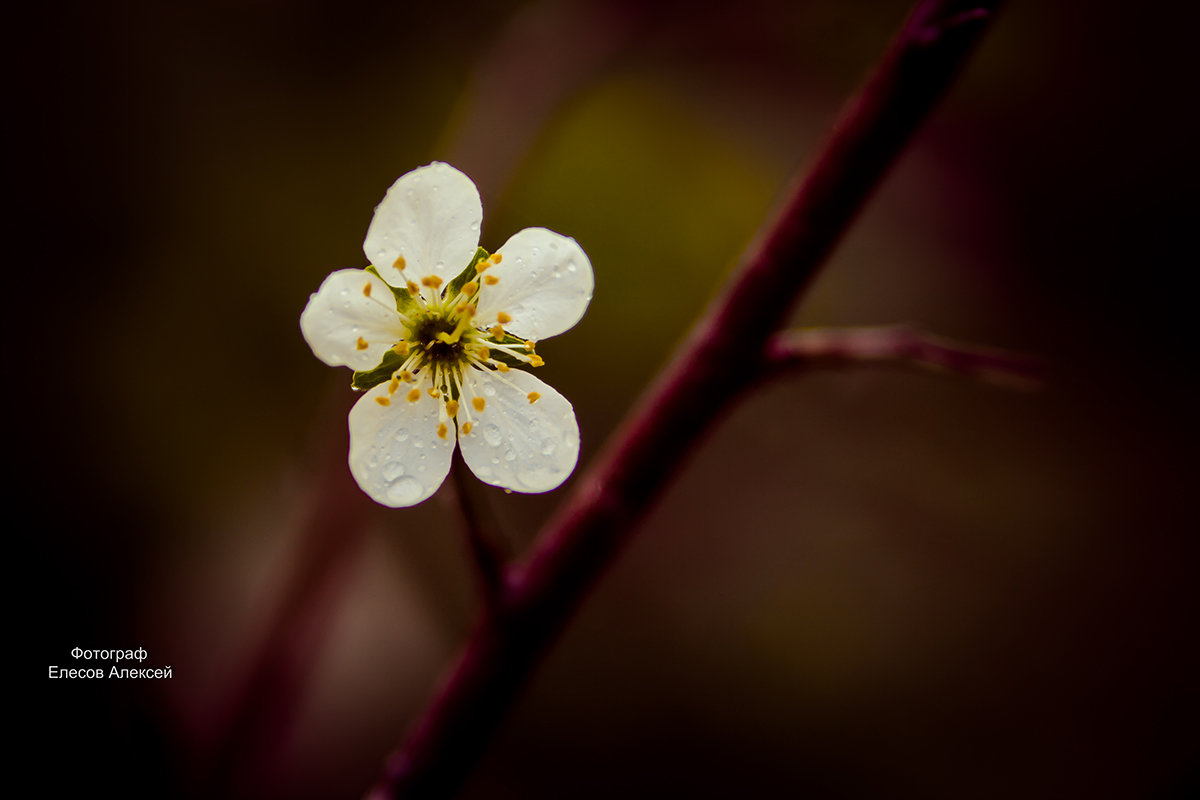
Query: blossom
{"points": [[440, 335]]}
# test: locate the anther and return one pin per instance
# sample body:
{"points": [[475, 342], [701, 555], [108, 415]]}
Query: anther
{"points": [[536, 361], [398, 263], [400, 348], [406, 376], [496, 258], [479, 403], [442, 430], [432, 281], [530, 344], [533, 397], [367, 289], [471, 288], [383, 401], [482, 265], [413, 395], [500, 365], [413, 288], [484, 353], [434, 392], [466, 428], [452, 407], [497, 332], [393, 385], [361, 344], [490, 280], [503, 318]]}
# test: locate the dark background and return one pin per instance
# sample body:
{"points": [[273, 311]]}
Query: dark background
{"points": [[867, 583]]}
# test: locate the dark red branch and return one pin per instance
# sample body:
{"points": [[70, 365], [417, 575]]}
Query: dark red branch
{"points": [[583, 538], [904, 346]]}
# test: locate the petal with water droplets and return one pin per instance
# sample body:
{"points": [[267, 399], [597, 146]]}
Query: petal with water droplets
{"points": [[346, 324], [545, 284], [517, 444], [430, 217], [395, 453]]}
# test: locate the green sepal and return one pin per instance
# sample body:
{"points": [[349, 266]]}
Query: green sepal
{"points": [[405, 303], [370, 378], [500, 355], [467, 274]]}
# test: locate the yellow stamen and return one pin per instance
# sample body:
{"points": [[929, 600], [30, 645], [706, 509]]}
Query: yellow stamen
{"points": [[434, 392], [442, 430], [432, 281], [482, 265], [479, 403], [383, 401], [484, 353], [406, 376], [536, 361], [533, 397], [503, 318], [452, 407], [470, 289], [399, 263], [367, 289], [393, 385], [413, 288], [400, 348], [490, 280], [497, 332], [496, 258], [466, 428], [361, 344], [530, 344], [413, 395], [500, 365]]}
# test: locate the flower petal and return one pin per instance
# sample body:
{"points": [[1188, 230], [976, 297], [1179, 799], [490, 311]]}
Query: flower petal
{"points": [[545, 284], [395, 453], [517, 444], [346, 324], [430, 217]]}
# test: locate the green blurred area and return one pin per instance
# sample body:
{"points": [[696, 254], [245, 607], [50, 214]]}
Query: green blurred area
{"points": [[864, 583]]}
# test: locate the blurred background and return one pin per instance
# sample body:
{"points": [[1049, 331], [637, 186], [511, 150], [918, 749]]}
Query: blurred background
{"points": [[865, 583]]}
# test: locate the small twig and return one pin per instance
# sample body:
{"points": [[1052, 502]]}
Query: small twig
{"points": [[482, 531], [696, 387], [904, 346]]}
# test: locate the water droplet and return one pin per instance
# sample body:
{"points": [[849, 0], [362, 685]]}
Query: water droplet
{"points": [[489, 391], [571, 266], [418, 443], [510, 454], [401, 435], [548, 447], [404, 491], [495, 460], [491, 434], [392, 470]]}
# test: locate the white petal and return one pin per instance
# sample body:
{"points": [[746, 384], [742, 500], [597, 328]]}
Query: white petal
{"points": [[515, 444], [545, 284], [395, 453], [339, 314], [431, 218]]}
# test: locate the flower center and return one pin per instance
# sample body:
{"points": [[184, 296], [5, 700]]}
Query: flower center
{"points": [[444, 344]]}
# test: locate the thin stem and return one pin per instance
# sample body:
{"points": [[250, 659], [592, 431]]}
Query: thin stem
{"points": [[582, 539], [482, 531], [904, 346]]}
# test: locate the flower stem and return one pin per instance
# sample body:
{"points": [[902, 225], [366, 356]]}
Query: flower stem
{"points": [[582, 539], [482, 531]]}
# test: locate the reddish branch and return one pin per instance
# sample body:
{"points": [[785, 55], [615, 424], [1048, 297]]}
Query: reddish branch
{"points": [[901, 345], [581, 540]]}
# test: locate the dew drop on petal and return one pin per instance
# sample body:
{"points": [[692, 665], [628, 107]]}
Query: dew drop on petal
{"points": [[548, 447], [401, 435], [491, 434], [392, 470], [404, 491], [510, 454], [489, 391]]}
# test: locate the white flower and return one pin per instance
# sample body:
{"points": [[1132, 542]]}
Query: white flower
{"points": [[437, 344]]}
